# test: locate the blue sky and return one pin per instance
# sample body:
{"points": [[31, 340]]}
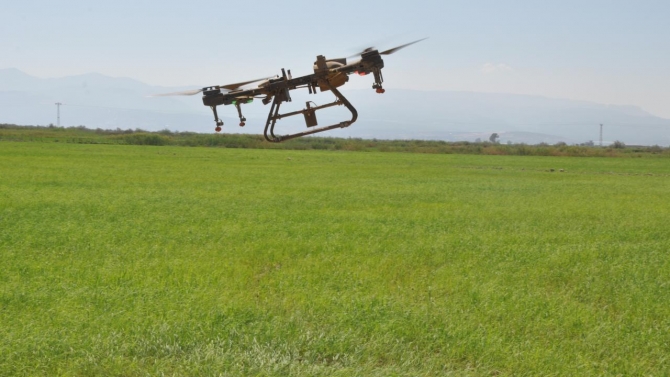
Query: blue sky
{"points": [[613, 51]]}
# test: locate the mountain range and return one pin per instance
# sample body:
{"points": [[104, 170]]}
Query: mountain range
{"points": [[98, 101]]}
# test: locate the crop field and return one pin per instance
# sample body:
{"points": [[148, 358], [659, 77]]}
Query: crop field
{"points": [[127, 260]]}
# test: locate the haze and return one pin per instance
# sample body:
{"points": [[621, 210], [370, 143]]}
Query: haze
{"points": [[611, 52]]}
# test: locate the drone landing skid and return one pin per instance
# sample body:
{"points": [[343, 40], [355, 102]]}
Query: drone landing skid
{"points": [[310, 118], [219, 123]]}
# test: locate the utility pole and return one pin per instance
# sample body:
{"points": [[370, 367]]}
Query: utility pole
{"points": [[58, 112], [601, 134]]}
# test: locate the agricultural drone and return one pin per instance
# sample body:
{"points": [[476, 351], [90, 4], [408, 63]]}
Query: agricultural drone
{"points": [[329, 74]]}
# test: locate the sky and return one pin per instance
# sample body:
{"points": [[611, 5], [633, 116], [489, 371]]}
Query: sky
{"points": [[612, 52]]}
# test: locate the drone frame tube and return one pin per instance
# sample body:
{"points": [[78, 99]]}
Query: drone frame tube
{"points": [[274, 115]]}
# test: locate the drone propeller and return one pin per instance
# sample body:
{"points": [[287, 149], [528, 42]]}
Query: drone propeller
{"points": [[396, 49], [389, 51], [184, 93], [231, 87], [225, 88]]}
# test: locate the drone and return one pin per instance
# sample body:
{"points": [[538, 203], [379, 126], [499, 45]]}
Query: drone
{"points": [[329, 74]]}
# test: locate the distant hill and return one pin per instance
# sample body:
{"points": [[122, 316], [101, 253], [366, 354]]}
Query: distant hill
{"points": [[100, 101]]}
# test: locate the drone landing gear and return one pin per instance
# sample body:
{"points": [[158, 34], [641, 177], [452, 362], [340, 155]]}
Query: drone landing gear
{"points": [[239, 112], [379, 79], [310, 116], [219, 122]]}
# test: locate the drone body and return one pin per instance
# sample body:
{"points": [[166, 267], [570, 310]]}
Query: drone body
{"points": [[329, 74]]}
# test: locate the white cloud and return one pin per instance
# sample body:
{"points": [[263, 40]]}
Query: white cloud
{"points": [[490, 68]]}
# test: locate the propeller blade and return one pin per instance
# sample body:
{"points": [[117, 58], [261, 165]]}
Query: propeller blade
{"points": [[389, 51], [225, 88], [231, 87], [395, 49], [184, 93], [360, 53]]}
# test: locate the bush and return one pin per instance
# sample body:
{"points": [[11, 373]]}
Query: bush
{"points": [[618, 145], [145, 139]]}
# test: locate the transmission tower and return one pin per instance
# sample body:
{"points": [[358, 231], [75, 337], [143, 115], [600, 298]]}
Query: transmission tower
{"points": [[601, 134], [58, 113]]}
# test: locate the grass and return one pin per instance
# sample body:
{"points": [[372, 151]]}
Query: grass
{"points": [[131, 261]]}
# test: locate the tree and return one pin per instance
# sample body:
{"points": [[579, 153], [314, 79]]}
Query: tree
{"points": [[494, 137], [618, 145]]}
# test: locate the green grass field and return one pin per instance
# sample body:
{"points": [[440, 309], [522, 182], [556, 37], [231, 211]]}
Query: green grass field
{"points": [[138, 260]]}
